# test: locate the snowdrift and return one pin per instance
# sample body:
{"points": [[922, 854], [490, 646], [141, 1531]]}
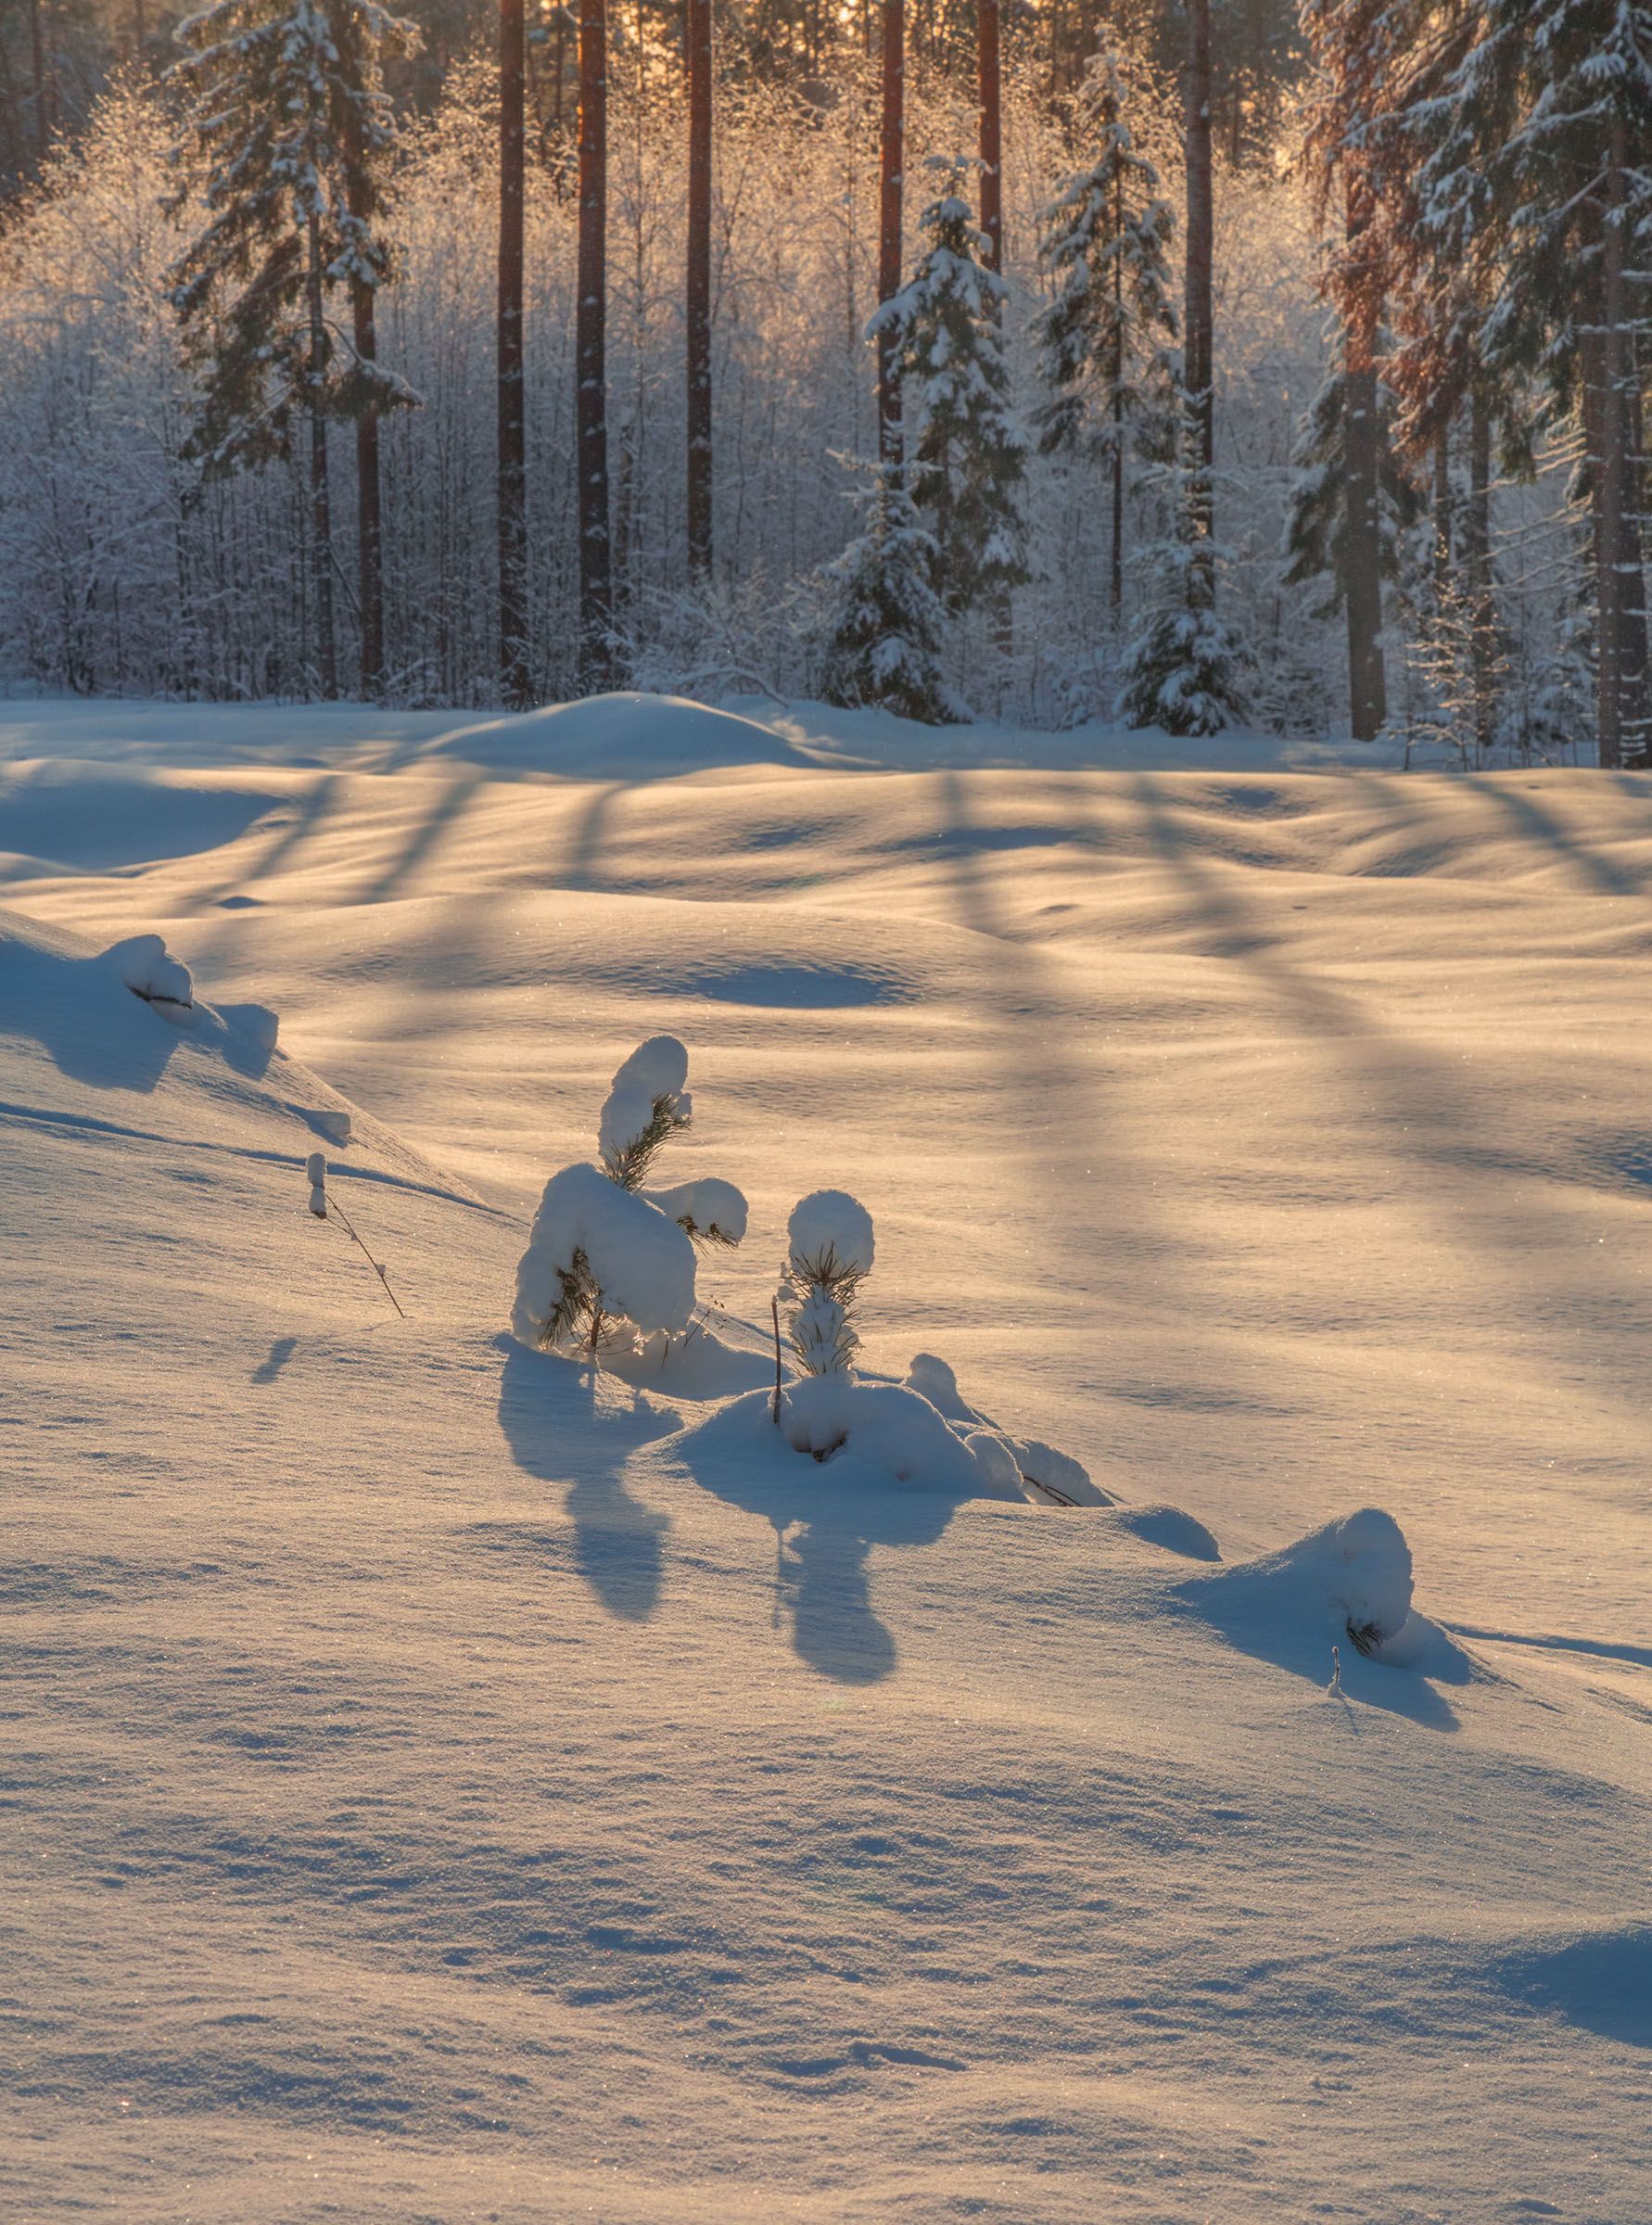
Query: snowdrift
{"points": [[622, 736]]}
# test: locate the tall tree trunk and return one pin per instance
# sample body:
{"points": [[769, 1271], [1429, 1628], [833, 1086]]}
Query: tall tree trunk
{"points": [[320, 499], [1637, 656], [512, 403], [1477, 568], [1117, 377], [370, 575], [1442, 515], [699, 290], [1199, 323], [1367, 680], [590, 349], [1608, 461], [992, 131], [43, 104], [889, 226]]}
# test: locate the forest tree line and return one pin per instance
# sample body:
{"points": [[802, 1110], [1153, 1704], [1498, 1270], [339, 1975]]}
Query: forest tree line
{"points": [[1195, 364]]}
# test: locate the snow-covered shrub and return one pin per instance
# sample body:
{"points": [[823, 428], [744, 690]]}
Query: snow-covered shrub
{"points": [[607, 1260], [829, 1252]]}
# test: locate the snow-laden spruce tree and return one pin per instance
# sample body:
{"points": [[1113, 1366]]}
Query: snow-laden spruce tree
{"points": [[1106, 340], [829, 1253], [884, 646], [1320, 531], [966, 450], [287, 133], [1185, 665], [608, 1260]]}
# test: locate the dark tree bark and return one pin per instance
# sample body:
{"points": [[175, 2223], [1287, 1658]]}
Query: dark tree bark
{"points": [[1363, 580], [370, 571], [1443, 512], [1621, 657], [889, 225], [42, 95], [320, 499], [991, 94], [1198, 321], [512, 434], [699, 290], [590, 349], [1115, 372], [1476, 566]]}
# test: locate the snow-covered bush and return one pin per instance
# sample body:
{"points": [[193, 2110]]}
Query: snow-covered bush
{"points": [[607, 1260], [829, 1252]]}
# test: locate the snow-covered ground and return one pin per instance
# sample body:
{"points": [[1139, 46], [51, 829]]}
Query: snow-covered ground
{"points": [[439, 1788]]}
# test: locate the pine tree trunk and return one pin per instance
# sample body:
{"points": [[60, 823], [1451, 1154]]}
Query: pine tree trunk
{"points": [[1363, 580], [1477, 568], [43, 116], [320, 499], [511, 498], [1637, 657], [1609, 473], [699, 290], [370, 583], [1200, 315], [992, 131], [590, 350], [1442, 515], [1116, 374], [889, 227]]}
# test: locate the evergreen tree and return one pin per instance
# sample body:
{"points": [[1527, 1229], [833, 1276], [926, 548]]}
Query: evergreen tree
{"points": [[288, 126], [1105, 340], [967, 454], [1534, 192], [1184, 667], [885, 641], [1320, 527]]}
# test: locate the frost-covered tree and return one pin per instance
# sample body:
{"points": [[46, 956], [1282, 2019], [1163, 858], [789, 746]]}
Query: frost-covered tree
{"points": [[1328, 524], [1105, 340], [607, 1259], [288, 128], [884, 641], [1184, 665], [829, 1253], [966, 453], [1533, 122]]}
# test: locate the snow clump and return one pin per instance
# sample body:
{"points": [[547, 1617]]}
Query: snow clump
{"points": [[608, 1262], [829, 1251], [149, 971], [1352, 1578]]}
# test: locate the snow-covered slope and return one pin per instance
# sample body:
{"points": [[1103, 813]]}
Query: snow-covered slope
{"points": [[438, 1787]]}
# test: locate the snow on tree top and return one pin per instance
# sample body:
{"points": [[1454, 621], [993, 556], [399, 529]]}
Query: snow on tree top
{"points": [[829, 1222], [656, 1069]]}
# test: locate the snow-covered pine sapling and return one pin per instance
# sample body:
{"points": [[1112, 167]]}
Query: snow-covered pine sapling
{"points": [[608, 1261], [315, 1167], [829, 1253]]}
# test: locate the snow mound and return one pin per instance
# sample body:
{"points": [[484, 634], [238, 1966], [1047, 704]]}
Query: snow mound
{"points": [[830, 1224], [149, 971], [622, 736], [872, 1438], [1055, 1478], [1352, 1579], [640, 1261], [656, 1069]]}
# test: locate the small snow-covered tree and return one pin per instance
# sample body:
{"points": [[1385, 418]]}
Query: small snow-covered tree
{"points": [[606, 1259], [1184, 665], [967, 452], [885, 643], [1105, 340], [829, 1253], [287, 129]]}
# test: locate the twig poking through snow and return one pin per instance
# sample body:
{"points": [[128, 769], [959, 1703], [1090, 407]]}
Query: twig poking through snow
{"points": [[1336, 1683], [774, 1309], [316, 1166]]}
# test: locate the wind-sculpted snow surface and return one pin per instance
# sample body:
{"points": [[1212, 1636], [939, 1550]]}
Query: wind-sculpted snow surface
{"points": [[443, 1781]]}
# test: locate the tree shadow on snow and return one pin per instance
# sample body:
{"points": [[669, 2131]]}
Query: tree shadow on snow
{"points": [[568, 1426], [825, 1529], [1603, 1982]]}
